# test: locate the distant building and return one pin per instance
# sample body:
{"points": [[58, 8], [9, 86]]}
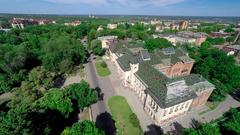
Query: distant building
{"points": [[175, 26], [112, 26], [184, 25], [107, 41], [20, 23], [100, 28], [184, 37], [199, 37], [44, 21], [144, 23], [220, 34], [74, 23], [232, 49], [160, 79], [155, 22], [159, 28]]}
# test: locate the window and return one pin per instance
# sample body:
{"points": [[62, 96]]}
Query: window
{"points": [[182, 106], [164, 113], [171, 110], [186, 106], [176, 109], [184, 71]]}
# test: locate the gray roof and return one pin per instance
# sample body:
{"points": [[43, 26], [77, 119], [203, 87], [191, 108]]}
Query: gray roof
{"points": [[144, 54], [236, 47]]}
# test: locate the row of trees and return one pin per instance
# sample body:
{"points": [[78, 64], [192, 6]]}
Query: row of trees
{"points": [[32, 61], [54, 47], [33, 111], [227, 125], [157, 43], [218, 68]]}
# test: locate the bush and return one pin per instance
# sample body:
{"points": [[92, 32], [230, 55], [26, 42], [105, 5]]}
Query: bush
{"points": [[103, 64], [134, 120]]}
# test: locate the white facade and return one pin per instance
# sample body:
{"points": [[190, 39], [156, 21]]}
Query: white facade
{"points": [[112, 26], [131, 80], [161, 115], [107, 41]]}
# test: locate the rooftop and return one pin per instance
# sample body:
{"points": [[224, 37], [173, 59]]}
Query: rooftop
{"points": [[157, 83], [236, 47]]}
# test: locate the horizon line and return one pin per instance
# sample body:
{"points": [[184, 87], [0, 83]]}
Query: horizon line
{"points": [[116, 15]]}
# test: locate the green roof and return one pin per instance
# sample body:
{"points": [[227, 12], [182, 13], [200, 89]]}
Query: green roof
{"points": [[155, 80], [156, 83]]}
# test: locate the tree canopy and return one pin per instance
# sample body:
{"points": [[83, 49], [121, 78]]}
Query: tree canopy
{"points": [[158, 43], [83, 128], [83, 94]]}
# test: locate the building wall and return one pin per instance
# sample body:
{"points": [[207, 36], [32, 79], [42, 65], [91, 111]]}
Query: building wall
{"points": [[178, 69], [200, 40], [106, 43], [162, 115], [202, 98], [184, 25], [112, 26], [139, 88]]}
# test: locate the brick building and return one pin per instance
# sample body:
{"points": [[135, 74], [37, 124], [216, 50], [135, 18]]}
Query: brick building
{"points": [[161, 79]]}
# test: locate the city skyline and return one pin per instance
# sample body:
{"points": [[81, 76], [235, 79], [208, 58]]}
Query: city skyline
{"points": [[124, 7]]}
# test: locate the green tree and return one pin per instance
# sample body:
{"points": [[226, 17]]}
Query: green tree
{"points": [[216, 41], [231, 124], [62, 51], [229, 30], [56, 99], [83, 94], [158, 43], [83, 128], [134, 120], [202, 129], [91, 35], [220, 69], [96, 47], [41, 77], [15, 122]]}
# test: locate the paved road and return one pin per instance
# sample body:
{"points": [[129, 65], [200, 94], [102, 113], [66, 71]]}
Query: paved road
{"points": [[102, 83]]}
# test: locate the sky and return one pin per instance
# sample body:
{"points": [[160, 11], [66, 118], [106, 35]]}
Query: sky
{"points": [[124, 7]]}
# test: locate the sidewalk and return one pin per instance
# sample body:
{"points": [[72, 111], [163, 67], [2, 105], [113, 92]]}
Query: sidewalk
{"points": [[130, 96]]}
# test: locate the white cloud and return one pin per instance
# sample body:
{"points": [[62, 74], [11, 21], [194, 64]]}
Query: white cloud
{"points": [[166, 2], [131, 3], [90, 2]]}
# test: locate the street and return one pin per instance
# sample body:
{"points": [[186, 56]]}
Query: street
{"points": [[98, 82]]}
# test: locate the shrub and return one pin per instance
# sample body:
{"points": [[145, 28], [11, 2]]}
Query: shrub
{"points": [[103, 64], [134, 120]]}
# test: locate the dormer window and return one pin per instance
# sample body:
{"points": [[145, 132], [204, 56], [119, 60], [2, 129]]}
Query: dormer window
{"points": [[145, 55]]}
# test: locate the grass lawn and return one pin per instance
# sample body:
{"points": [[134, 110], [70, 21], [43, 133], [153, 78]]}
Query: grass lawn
{"points": [[102, 71], [212, 105], [121, 112]]}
